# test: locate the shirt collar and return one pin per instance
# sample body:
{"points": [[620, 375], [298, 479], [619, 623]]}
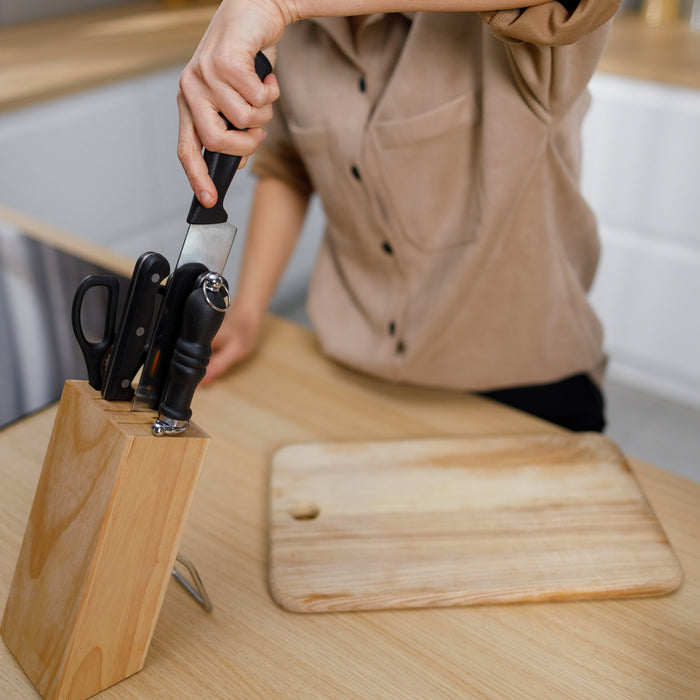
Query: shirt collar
{"points": [[339, 30]]}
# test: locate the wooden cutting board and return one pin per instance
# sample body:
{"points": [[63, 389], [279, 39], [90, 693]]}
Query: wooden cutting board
{"points": [[361, 526]]}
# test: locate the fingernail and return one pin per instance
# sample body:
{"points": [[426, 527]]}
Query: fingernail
{"points": [[205, 198]]}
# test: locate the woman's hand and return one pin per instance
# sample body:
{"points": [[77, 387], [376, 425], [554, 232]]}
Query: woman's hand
{"points": [[221, 77], [236, 340]]}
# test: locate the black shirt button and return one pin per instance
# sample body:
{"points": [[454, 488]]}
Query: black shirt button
{"points": [[386, 247], [400, 348], [392, 328], [355, 172], [363, 84]]}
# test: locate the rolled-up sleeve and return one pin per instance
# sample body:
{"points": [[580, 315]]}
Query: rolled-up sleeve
{"points": [[553, 49], [553, 23], [277, 156]]}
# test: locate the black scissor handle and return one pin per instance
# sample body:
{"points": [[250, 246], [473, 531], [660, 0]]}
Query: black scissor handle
{"points": [[94, 353]]}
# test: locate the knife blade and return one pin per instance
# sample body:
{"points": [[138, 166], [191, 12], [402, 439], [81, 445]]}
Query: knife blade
{"points": [[206, 247], [127, 353]]}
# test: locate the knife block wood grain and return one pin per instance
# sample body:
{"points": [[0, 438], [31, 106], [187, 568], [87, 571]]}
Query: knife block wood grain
{"points": [[461, 521], [99, 547]]}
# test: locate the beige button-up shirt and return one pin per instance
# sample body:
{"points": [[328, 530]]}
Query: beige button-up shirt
{"points": [[445, 148]]}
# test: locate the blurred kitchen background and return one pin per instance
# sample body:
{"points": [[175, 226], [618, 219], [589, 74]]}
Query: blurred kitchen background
{"points": [[16, 11], [88, 130]]}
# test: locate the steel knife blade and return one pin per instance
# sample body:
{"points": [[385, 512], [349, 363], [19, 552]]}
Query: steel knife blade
{"points": [[206, 248]]}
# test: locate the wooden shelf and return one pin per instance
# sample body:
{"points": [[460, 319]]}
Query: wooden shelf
{"points": [[51, 58], [666, 54]]}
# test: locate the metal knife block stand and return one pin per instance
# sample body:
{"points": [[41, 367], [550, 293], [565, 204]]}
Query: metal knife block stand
{"points": [[100, 544]]}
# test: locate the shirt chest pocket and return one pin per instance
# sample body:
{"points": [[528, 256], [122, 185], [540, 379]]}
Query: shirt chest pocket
{"points": [[429, 171]]}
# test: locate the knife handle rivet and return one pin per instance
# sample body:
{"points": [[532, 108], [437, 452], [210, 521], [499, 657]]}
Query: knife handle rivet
{"points": [[140, 331], [155, 278], [125, 383]]}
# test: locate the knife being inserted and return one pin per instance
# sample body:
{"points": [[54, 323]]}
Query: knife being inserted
{"points": [[205, 249]]}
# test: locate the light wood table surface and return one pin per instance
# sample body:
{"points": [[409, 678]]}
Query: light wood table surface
{"points": [[248, 647], [53, 58], [669, 53]]}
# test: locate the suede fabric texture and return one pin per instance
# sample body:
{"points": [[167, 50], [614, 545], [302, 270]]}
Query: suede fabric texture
{"points": [[445, 149]]}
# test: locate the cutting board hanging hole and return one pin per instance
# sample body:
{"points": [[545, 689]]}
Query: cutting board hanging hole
{"points": [[305, 511]]}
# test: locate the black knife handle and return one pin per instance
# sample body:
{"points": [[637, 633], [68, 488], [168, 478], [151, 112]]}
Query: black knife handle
{"points": [[155, 371], [204, 312], [222, 167], [127, 354]]}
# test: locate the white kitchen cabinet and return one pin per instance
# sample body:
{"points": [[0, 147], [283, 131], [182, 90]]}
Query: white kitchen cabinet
{"points": [[82, 163], [642, 176], [102, 164]]}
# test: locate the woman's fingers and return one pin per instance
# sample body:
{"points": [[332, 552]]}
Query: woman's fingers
{"points": [[221, 80], [189, 151], [205, 128]]}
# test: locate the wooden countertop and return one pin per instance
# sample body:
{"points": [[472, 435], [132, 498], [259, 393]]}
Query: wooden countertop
{"points": [[248, 647], [46, 59], [665, 54], [43, 60]]}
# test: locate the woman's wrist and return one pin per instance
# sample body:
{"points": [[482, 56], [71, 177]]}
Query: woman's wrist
{"points": [[248, 310]]}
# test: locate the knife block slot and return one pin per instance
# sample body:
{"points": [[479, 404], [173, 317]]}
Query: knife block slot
{"points": [[99, 547]]}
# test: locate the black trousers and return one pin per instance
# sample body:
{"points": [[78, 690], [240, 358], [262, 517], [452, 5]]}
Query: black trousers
{"points": [[575, 403]]}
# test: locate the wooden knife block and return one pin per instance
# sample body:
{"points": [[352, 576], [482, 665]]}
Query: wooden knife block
{"points": [[100, 544]]}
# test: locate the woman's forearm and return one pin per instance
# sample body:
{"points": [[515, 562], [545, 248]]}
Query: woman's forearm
{"points": [[302, 9], [276, 220]]}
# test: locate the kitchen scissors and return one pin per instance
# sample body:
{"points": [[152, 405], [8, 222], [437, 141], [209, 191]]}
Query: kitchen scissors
{"points": [[114, 359], [96, 352]]}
